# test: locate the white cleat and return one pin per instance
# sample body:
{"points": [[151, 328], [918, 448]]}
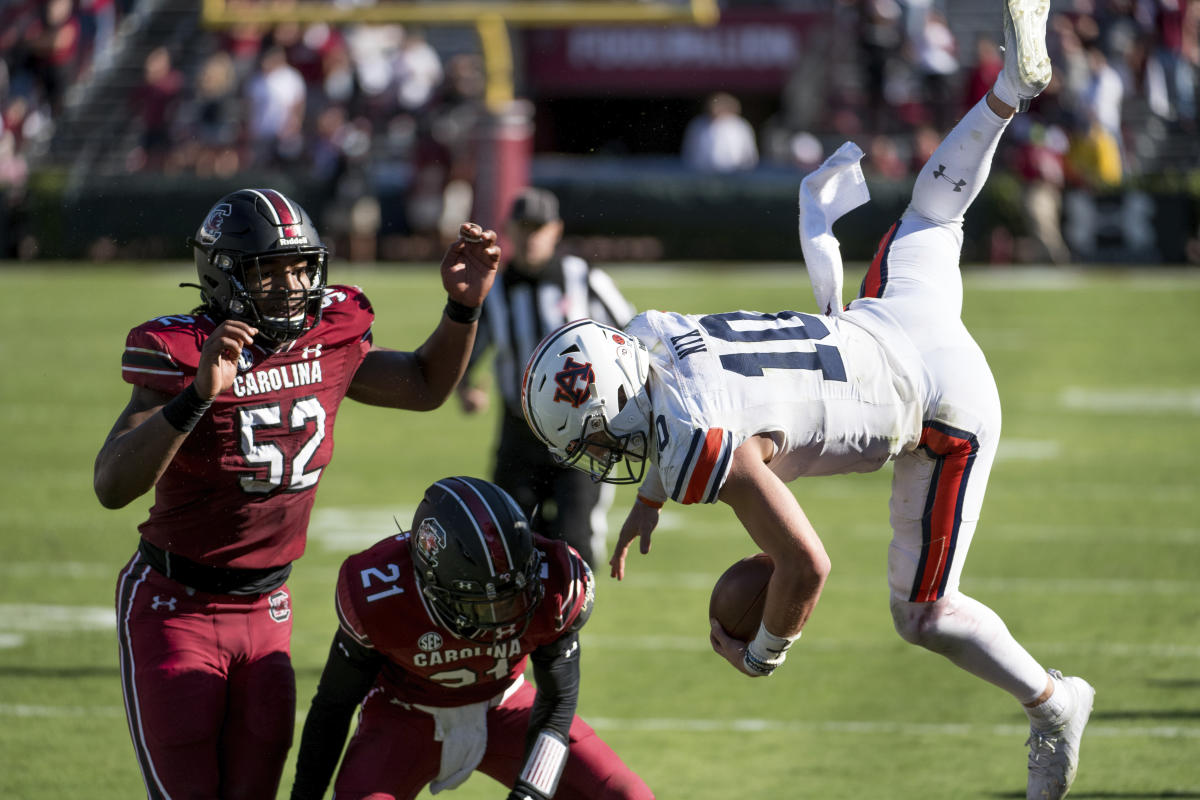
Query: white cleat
{"points": [[1054, 754], [1026, 61]]}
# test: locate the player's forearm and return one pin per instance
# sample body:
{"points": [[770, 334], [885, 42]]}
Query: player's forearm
{"points": [[548, 737], [129, 465], [445, 356], [792, 595], [418, 381], [325, 729]]}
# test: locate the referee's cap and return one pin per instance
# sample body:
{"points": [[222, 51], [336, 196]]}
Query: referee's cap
{"points": [[535, 207]]}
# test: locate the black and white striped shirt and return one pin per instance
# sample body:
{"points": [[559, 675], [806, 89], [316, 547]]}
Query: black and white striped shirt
{"points": [[521, 309]]}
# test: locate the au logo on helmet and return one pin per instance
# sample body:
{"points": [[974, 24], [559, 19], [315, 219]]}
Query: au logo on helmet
{"points": [[567, 382]]}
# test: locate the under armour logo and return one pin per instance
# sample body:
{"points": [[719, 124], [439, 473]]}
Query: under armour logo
{"points": [[158, 602], [567, 382], [940, 172], [315, 350]]}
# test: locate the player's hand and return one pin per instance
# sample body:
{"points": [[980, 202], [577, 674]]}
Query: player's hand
{"points": [[219, 357], [469, 266], [640, 523], [472, 399], [731, 649]]}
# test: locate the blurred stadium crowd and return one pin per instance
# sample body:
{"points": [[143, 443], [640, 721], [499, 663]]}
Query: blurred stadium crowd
{"points": [[333, 101]]}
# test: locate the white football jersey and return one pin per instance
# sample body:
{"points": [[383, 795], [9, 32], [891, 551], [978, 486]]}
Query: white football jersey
{"points": [[825, 390]]}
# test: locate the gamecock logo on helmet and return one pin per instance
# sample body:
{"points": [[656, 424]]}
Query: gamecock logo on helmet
{"points": [[210, 231], [567, 382], [430, 538]]}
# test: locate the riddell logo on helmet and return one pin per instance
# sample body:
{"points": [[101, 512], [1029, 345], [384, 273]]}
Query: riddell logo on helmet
{"points": [[293, 240], [567, 382]]}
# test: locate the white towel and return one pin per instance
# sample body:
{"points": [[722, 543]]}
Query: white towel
{"points": [[462, 730], [829, 192]]}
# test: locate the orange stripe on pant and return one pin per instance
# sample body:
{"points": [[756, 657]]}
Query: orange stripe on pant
{"points": [[876, 277], [954, 451]]}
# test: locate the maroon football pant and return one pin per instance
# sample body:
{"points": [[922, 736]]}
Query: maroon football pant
{"points": [[393, 755], [210, 694]]}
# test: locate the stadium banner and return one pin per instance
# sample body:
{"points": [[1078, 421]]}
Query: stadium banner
{"points": [[747, 50]]}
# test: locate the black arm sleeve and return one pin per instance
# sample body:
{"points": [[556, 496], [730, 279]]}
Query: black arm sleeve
{"points": [[556, 670], [349, 673]]}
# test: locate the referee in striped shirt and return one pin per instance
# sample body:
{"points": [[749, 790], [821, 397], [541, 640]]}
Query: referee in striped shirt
{"points": [[539, 289]]}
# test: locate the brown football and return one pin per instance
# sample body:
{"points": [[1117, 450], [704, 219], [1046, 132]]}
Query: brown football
{"points": [[739, 595]]}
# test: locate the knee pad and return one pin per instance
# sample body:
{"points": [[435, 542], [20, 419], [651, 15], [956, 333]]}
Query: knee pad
{"points": [[924, 624]]}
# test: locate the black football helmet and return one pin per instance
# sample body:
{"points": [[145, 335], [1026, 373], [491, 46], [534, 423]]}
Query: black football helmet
{"points": [[475, 559], [241, 231]]}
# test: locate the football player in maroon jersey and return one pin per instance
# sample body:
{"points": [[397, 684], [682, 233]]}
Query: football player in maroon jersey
{"points": [[436, 627], [231, 422]]}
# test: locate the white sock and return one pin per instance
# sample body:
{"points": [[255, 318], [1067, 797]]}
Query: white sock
{"points": [[974, 638], [1054, 711], [1005, 91]]}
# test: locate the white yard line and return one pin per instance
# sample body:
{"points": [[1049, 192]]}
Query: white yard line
{"points": [[641, 579], [724, 726], [1138, 401], [858, 727], [699, 643]]}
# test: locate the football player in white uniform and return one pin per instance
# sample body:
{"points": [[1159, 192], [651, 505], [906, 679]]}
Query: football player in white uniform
{"points": [[732, 406]]}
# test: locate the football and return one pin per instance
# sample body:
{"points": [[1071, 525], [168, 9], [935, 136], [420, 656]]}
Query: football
{"points": [[739, 595]]}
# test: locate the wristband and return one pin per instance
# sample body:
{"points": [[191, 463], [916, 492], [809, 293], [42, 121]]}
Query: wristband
{"points": [[185, 409], [646, 501], [457, 312], [543, 766], [767, 651]]}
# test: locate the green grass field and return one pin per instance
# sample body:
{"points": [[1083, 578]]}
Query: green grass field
{"points": [[1089, 548]]}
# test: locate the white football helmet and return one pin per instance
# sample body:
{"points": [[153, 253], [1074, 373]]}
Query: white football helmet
{"points": [[584, 395]]}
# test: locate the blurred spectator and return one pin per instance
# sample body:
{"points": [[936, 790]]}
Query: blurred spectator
{"points": [[720, 139], [243, 42], [883, 161], [1104, 94], [1040, 166], [937, 63], [101, 16], [1068, 56], [807, 151], [340, 84], [418, 71], [880, 37], [1093, 155], [926, 138], [155, 102], [217, 117], [1176, 55], [55, 41], [371, 50], [989, 60], [13, 169], [276, 97], [444, 151], [301, 55]]}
